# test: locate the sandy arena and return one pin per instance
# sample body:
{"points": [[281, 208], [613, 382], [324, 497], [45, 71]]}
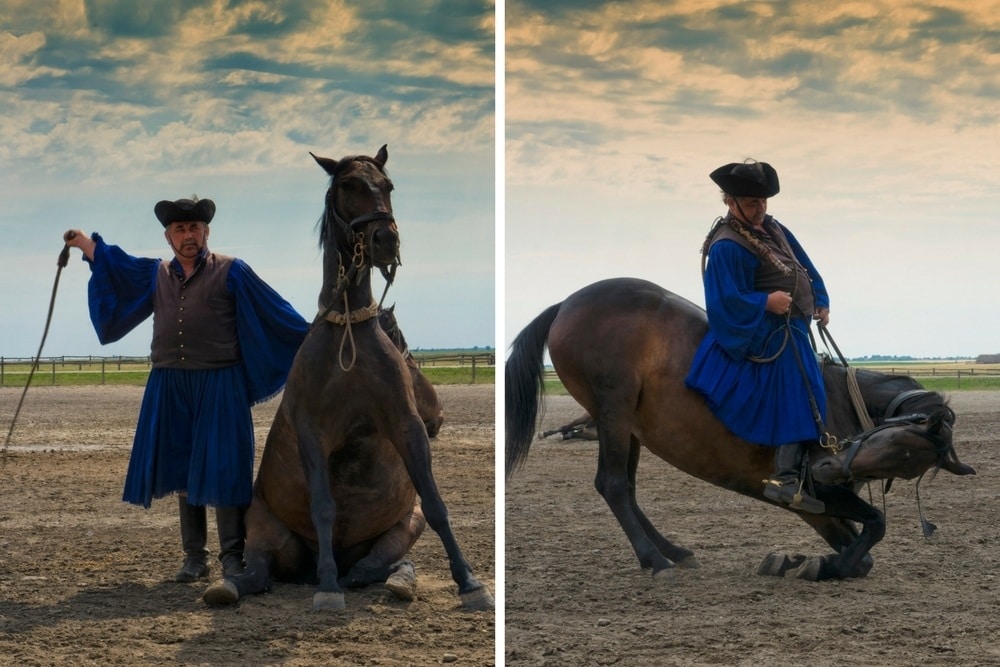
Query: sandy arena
{"points": [[576, 595], [85, 578]]}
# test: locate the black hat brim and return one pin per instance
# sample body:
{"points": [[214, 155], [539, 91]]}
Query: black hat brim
{"points": [[184, 210], [746, 180]]}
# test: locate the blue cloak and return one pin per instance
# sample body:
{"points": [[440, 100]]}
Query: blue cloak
{"points": [[763, 403], [195, 432]]}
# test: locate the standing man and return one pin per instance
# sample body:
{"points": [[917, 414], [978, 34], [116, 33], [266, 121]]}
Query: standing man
{"points": [[223, 340], [755, 367]]}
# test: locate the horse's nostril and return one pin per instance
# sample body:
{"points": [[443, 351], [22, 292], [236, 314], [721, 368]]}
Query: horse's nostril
{"points": [[385, 238]]}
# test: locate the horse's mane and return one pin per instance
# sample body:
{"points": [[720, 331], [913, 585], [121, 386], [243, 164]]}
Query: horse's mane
{"points": [[929, 402]]}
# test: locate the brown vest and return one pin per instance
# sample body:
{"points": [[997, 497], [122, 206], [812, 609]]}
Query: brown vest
{"points": [[194, 319], [769, 277]]}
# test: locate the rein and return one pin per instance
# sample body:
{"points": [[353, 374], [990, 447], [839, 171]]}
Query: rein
{"points": [[61, 263]]}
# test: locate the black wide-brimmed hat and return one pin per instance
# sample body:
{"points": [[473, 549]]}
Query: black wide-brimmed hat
{"points": [[185, 210], [747, 179]]}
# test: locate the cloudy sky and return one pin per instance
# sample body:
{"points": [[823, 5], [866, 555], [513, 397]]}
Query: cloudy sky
{"points": [[112, 105], [881, 117]]}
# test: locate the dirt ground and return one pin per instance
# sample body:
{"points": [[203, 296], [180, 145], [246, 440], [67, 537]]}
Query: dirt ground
{"points": [[576, 596], [85, 578]]}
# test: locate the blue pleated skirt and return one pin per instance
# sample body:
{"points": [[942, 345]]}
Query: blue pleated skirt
{"points": [[194, 435], [763, 403]]}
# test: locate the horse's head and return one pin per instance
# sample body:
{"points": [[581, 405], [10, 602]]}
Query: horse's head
{"points": [[358, 218], [903, 447]]}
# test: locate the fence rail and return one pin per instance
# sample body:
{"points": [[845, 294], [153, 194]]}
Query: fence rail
{"points": [[53, 366]]}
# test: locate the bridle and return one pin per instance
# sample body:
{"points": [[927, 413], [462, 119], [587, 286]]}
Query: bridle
{"points": [[353, 231], [852, 446]]}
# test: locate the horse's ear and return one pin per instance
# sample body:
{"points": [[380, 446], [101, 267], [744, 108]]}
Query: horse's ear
{"points": [[956, 467], [383, 155], [329, 166]]}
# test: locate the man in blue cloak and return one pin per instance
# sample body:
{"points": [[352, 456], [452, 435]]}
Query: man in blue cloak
{"points": [[223, 340]]}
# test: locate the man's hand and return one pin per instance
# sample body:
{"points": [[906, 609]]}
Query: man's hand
{"points": [[75, 238]]}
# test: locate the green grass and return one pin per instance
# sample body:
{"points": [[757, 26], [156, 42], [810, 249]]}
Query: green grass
{"points": [[459, 374], [989, 383]]}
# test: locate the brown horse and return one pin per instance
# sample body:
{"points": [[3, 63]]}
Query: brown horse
{"points": [[428, 404], [622, 348], [335, 499]]}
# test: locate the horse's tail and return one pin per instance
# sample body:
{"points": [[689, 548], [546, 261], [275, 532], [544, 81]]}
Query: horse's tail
{"points": [[524, 386]]}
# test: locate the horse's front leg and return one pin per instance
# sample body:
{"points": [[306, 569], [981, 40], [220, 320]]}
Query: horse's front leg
{"points": [[852, 558], [417, 457], [323, 511]]}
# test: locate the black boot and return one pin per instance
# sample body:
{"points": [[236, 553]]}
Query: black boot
{"points": [[193, 536], [785, 486], [232, 536]]}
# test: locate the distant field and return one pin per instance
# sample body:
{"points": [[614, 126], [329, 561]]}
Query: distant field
{"points": [[453, 367]]}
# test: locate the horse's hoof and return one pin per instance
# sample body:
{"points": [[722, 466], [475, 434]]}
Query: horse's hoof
{"points": [[222, 592], [323, 601], [478, 600], [688, 563], [776, 565], [809, 570], [667, 575], [403, 583]]}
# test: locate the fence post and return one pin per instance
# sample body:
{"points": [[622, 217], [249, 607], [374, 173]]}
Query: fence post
{"points": [[53, 371], [102, 371], [959, 378], [1, 371], [473, 369]]}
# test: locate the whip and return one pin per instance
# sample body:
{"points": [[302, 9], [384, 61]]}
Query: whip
{"points": [[61, 263]]}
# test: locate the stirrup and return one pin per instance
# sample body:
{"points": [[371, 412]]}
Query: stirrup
{"points": [[790, 493]]}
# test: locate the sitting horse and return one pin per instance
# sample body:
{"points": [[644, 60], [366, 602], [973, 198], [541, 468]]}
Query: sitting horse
{"points": [[622, 348], [335, 498], [428, 404]]}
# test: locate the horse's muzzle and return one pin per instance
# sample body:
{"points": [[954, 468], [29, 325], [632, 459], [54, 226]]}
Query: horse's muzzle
{"points": [[383, 246]]}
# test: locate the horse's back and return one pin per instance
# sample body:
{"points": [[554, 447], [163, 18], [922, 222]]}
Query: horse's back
{"points": [[623, 348], [624, 331]]}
